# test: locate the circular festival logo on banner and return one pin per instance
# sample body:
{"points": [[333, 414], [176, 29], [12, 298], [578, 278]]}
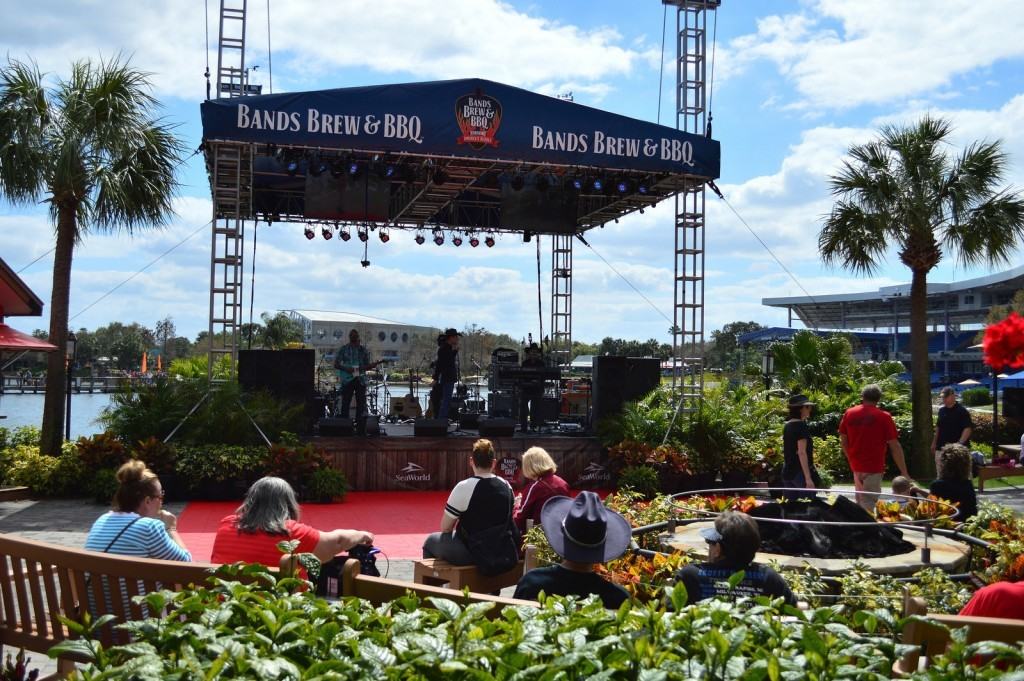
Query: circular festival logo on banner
{"points": [[478, 116]]}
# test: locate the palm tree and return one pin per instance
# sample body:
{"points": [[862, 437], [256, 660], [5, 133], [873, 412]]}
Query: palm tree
{"points": [[907, 190], [91, 147]]}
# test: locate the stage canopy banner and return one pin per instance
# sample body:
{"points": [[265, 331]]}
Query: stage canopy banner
{"points": [[468, 118]]}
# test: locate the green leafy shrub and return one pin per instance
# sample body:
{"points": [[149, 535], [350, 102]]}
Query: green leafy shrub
{"points": [[158, 456], [137, 411], [272, 629], [102, 485], [327, 484], [21, 435], [1009, 428], [102, 450], [641, 479], [975, 397], [829, 458], [295, 463], [216, 464], [31, 469]]}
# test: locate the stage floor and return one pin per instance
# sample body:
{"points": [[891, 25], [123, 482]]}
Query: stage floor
{"points": [[400, 461]]}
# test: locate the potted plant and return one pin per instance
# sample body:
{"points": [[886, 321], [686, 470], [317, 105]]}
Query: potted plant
{"points": [[327, 485]]}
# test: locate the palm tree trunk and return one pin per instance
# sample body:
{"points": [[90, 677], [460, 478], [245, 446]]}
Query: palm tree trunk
{"points": [[56, 368], [918, 458]]}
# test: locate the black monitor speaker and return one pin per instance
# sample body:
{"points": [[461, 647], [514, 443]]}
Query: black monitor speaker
{"points": [[469, 420], [497, 427], [335, 427], [618, 380], [430, 427]]}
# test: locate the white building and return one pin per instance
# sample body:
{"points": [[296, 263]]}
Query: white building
{"points": [[326, 331]]}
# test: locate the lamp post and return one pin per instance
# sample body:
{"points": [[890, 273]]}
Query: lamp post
{"points": [[70, 357], [767, 369]]}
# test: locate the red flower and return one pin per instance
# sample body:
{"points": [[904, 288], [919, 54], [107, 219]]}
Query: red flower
{"points": [[1004, 343]]}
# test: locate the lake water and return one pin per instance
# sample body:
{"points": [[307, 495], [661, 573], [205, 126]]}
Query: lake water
{"points": [[27, 410]]}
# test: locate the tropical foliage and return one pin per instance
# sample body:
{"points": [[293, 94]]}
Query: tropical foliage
{"points": [[906, 190], [93, 148]]}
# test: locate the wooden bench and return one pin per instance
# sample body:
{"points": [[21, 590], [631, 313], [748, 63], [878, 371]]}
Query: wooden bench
{"points": [[436, 572], [990, 472], [931, 638], [379, 590], [40, 582]]}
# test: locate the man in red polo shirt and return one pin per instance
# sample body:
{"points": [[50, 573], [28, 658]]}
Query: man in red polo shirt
{"points": [[999, 599], [866, 433]]}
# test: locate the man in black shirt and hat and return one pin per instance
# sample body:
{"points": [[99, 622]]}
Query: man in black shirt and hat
{"points": [[583, 532], [446, 370]]}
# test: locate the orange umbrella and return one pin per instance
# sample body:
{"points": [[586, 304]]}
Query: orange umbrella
{"points": [[144, 366], [159, 363]]}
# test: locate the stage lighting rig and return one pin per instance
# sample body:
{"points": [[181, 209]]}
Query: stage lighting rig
{"points": [[292, 167], [439, 238], [345, 234], [420, 238], [517, 182], [474, 241], [456, 240], [489, 241], [363, 235], [310, 234], [327, 232], [384, 236], [439, 177], [597, 184]]}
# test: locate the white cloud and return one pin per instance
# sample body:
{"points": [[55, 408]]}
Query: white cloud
{"points": [[840, 54], [310, 40]]}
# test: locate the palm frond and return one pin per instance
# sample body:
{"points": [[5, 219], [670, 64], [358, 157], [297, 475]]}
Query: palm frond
{"points": [[991, 232], [24, 116], [853, 238]]}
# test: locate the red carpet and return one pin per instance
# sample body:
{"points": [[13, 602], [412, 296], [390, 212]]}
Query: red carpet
{"points": [[399, 520]]}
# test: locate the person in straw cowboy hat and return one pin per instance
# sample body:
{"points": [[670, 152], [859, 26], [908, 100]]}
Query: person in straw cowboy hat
{"points": [[583, 532]]}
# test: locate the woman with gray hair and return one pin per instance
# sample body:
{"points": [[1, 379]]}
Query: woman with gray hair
{"points": [[268, 515]]}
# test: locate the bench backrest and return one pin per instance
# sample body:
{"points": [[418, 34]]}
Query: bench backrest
{"points": [[40, 581], [379, 590], [932, 639]]}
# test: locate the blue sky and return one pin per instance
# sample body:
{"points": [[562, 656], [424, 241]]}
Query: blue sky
{"points": [[796, 83]]}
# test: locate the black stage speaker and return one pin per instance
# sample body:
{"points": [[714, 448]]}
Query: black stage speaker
{"points": [[287, 374], [1013, 403], [469, 421], [548, 409], [430, 427], [618, 380], [497, 427], [502, 404], [335, 427]]}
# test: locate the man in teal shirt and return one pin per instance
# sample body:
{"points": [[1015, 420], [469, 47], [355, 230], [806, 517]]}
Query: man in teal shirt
{"points": [[352, 361]]}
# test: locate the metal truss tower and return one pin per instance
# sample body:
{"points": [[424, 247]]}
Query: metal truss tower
{"points": [[691, 116], [230, 168], [560, 349]]}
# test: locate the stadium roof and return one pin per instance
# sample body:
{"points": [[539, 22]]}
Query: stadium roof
{"points": [[348, 318], [878, 309]]}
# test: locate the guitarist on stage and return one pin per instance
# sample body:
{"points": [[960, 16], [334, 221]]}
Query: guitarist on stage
{"points": [[352, 361]]}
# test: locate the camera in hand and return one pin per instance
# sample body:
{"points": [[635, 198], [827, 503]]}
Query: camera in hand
{"points": [[367, 557]]}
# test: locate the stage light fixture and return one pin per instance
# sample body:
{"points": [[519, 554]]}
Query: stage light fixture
{"points": [[420, 238], [543, 183], [353, 168], [438, 238], [345, 234], [597, 184], [337, 168], [364, 236], [440, 176], [527, 235], [456, 240], [316, 167], [622, 186], [517, 182], [364, 263], [577, 183], [642, 187], [384, 236], [489, 241], [293, 167], [327, 232], [310, 234], [474, 241]]}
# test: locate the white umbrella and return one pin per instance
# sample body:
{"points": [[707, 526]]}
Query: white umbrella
{"points": [[969, 381]]}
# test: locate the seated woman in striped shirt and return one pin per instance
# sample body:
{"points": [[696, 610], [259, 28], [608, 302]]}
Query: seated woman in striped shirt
{"points": [[138, 525]]}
